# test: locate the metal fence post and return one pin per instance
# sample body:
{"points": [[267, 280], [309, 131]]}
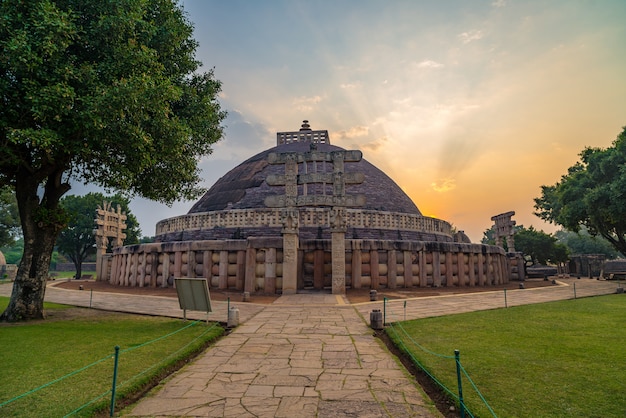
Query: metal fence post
{"points": [[457, 356], [117, 355], [505, 302]]}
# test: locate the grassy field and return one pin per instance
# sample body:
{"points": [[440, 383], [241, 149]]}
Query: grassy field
{"points": [[560, 359], [38, 353]]}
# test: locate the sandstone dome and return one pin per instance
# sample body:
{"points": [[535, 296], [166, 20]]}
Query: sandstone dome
{"points": [[244, 187], [235, 207]]}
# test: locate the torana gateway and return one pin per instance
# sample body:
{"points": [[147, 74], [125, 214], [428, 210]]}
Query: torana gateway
{"points": [[306, 214]]}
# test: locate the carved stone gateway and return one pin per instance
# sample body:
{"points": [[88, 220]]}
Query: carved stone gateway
{"points": [[109, 225], [291, 200], [503, 228]]}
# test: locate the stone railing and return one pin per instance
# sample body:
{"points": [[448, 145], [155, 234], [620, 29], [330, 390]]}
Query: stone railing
{"points": [[309, 217], [256, 264]]}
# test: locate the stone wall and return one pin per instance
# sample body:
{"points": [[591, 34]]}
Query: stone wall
{"points": [[255, 264], [313, 223]]}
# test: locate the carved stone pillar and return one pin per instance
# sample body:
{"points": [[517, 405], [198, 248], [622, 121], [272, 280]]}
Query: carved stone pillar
{"points": [[338, 236], [291, 220]]}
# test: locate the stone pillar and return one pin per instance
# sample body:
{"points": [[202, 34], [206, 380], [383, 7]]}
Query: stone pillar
{"points": [[470, 265], [241, 269], [449, 272], [408, 269], [290, 263], [391, 269], [270, 271], [250, 270], [481, 269], [489, 269], [191, 263], [223, 270], [142, 270], [207, 265], [134, 269], [101, 245], [178, 263], [436, 270], [423, 276], [356, 268], [166, 269], [339, 262], [374, 274], [460, 264]]}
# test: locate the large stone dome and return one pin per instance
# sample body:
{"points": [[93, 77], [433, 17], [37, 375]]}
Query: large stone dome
{"points": [[244, 187], [237, 207]]}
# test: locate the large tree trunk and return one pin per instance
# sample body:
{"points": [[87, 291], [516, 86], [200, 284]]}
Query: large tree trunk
{"points": [[78, 265], [42, 222]]}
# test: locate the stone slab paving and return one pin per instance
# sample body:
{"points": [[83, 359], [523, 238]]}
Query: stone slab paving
{"points": [[148, 305], [305, 356]]}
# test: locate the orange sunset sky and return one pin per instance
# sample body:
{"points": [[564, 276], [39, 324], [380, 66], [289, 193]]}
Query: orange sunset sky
{"points": [[470, 106]]}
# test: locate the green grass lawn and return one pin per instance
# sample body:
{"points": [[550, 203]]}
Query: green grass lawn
{"points": [[38, 353], [560, 359]]}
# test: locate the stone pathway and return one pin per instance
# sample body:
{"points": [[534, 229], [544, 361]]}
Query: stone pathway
{"points": [[293, 361], [306, 355]]}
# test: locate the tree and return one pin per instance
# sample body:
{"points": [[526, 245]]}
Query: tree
{"points": [[537, 246], [9, 217], [540, 247], [77, 241], [106, 93], [591, 195], [582, 242]]}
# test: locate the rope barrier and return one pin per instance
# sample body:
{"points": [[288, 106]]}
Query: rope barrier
{"points": [[109, 356], [129, 380], [402, 335]]}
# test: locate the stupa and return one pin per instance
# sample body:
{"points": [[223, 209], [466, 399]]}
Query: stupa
{"points": [[307, 214]]}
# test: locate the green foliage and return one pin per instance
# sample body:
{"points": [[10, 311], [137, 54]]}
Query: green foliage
{"points": [[540, 247], [582, 242], [77, 241], [556, 359], [9, 217], [591, 194], [13, 253], [537, 246], [99, 92]]}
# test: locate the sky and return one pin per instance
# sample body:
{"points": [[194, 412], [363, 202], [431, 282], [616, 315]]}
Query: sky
{"points": [[470, 106]]}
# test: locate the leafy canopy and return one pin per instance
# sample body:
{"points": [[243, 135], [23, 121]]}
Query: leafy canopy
{"points": [[592, 195], [77, 241], [103, 92], [107, 93], [538, 247], [9, 217]]}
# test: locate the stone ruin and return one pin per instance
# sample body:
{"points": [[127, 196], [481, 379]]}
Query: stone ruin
{"points": [[504, 228], [341, 223], [110, 226]]}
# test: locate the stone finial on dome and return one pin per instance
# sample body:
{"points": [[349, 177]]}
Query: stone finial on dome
{"points": [[305, 134]]}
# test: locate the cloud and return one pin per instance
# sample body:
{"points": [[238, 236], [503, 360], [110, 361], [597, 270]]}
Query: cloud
{"points": [[373, 145], [349, 86], [353, 132], [429, 64], [306, 103], [443, 185], [499, 3], [472, 35]]}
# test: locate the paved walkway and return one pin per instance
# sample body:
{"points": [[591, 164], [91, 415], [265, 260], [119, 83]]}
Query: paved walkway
{"points": [[305, 355]]}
